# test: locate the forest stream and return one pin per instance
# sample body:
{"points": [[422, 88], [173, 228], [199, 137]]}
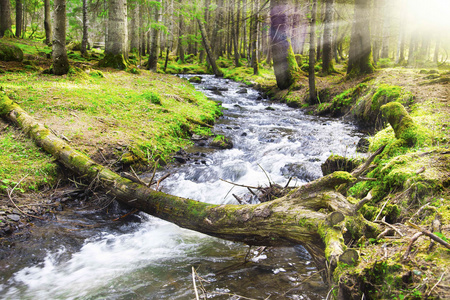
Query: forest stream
{"points": [[86, 255]]}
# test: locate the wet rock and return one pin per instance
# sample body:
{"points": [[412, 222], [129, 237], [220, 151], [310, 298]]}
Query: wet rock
{"points": [[221, 142], [180, 159], [195, 79], [363, 145], [244, 134], [298, 170], [196, 137], [218, 93], [269, 108], [242, 91], [14, 217]]}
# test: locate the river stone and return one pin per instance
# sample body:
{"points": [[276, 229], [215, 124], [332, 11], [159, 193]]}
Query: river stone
{"points": [[298, 170], [195, 79], [242, 91], [14, 217], [10, 53], [363, 145]]}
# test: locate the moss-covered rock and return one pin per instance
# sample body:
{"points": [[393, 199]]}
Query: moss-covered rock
{"points": [[10, 52], [339, 163]]}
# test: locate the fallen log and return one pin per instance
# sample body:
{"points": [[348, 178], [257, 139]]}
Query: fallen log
{"points": [[314, 215]]}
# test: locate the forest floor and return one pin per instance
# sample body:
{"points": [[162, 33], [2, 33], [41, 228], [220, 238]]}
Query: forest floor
{"points": [[139, 118]]}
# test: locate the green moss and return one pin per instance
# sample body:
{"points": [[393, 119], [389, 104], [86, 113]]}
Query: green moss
{"points": [[113, 61], [404, 126]]}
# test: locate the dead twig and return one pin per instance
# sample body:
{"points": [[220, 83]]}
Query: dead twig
{"points": [[241, 185], [267, 175], [429, 234], [154, 172], [160, 180], [434, 286], [390, 225], [15, 205], [195, 286], [413, 240]]}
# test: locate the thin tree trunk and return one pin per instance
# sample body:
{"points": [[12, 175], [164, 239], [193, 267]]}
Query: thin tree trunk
{"points": [[141, 30], [254, 60], [320, 28], [59, 53], [312, 49], [209, 52], [19, 18], [181, 36], [134, 26], [327, 63], [156, 42], [244, 28], [84, 41], [386, 30], [235, 36], [47, 23], [169, 45], [5, 17], [436, 49]]}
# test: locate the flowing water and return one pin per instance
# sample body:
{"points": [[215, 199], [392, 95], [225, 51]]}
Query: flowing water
{"points": [[86, 255]]}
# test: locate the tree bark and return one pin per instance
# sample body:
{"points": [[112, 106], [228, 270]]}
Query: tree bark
{"points": [[19, 18], [47, 23], [284, 63], [386, 29], [311, 215], [134, 27], [327, 54], [5, 17], [209, 52], [254, 39], [156, 42], [85, 39], [312, 52], [59, 52], [360, 52], [116, 49]]}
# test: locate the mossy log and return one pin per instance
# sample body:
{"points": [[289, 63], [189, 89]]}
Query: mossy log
{"points": [[307, 216], [404, 126]]}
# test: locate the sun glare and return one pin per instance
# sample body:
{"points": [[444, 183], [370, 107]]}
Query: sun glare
{"points": [[433, 14]]}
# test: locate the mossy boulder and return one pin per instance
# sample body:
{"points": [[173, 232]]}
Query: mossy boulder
{"points": [[221, 142], [339, 163], [10, 52], [367, 108], [195, 79]]}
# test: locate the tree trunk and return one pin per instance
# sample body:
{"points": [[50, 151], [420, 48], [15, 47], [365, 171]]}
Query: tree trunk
{"points": [[244, 28], [85, 39], [284, 63], [254, 39], [386, 29], [156, 42], [5, 17], [312, 50], [19, 18], [311, 215], [209, 52], [360, 53], [116, 49], [235, 35], [134, 27], [327, 54], [436, 49], [181, 36], [59, 53], [47, 23], [141, 30]]}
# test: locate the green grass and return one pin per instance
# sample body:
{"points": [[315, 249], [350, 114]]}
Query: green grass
{"points": [[22, 160]]}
